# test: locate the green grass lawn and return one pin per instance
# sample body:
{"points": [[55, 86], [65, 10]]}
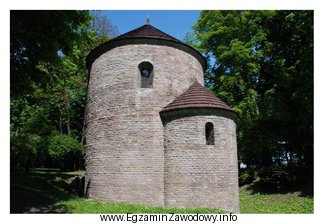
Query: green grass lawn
{"points": [[91, 206], [45, 191], [274, 203]]}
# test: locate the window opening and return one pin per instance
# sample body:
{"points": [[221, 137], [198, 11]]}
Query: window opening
{"points": [[209, 131]]}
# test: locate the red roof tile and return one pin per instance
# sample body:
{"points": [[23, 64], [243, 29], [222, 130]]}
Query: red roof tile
{"points": [[196, 96]]}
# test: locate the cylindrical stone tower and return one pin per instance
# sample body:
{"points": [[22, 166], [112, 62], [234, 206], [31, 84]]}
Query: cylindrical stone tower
{"points": [[200, 155], [131, 78]]}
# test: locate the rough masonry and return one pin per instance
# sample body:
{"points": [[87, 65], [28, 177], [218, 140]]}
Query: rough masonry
{"points": [[145, 122]]}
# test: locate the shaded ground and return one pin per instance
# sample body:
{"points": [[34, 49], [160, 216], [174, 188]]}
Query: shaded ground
{"points": [[39, 191], [27, 201], [48, 191], [51, 192], [262, 188]]}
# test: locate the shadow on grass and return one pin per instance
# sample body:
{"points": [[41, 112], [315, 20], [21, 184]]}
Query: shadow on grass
{"points": [[263, 188], [37, 192]]}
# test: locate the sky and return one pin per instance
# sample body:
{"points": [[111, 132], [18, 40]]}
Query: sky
{"points": [[173, 22]]}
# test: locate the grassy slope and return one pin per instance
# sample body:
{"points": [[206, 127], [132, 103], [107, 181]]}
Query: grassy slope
{"points": [[90, 206], [274, 203], [46, 190]]}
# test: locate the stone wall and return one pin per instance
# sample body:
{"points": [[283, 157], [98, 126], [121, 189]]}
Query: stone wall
{"points": [[196, 174], [124, 133]]}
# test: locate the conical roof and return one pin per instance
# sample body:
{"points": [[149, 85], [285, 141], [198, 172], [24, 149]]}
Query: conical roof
{"points": [[147, 31], [196, 96], [146, 34]]}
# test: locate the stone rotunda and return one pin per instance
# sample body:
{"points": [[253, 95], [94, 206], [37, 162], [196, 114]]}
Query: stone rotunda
{"points": [[154, 134]]}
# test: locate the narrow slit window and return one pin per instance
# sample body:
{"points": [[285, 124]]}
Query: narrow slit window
{"points": [[209, 131], [146, 70]]}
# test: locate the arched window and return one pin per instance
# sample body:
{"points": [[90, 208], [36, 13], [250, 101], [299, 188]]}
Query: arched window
{"points": [[146, 70], [209, 131]]}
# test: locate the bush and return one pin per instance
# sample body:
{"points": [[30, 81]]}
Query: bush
{"points": [[66, 151], [276, 176], [247, 176], [23, 149]]}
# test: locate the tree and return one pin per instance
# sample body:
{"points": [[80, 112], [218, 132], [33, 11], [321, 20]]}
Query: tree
{"points": [[103, 26], [66, 151], [49, 96], [261, 63], [40, 36]]}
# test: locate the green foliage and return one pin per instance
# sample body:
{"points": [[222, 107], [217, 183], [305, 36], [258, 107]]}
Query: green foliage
{"points": [[65, 151], [60, 146], [28, 124], [246, 176], [38, 36], [276, 177], [284, 177], [261, 64], [49, 84], [24, 147]]}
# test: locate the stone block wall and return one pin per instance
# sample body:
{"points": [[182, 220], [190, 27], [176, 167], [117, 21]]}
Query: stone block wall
{"points": [[196, 174], [124, 133]]}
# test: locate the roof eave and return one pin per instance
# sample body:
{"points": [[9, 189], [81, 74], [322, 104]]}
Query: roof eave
{"points": [[105, 47], [168, 115]]}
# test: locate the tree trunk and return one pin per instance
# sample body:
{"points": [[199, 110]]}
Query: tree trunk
{"points": [[67, 109], [83, 127], [61, 126]]}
